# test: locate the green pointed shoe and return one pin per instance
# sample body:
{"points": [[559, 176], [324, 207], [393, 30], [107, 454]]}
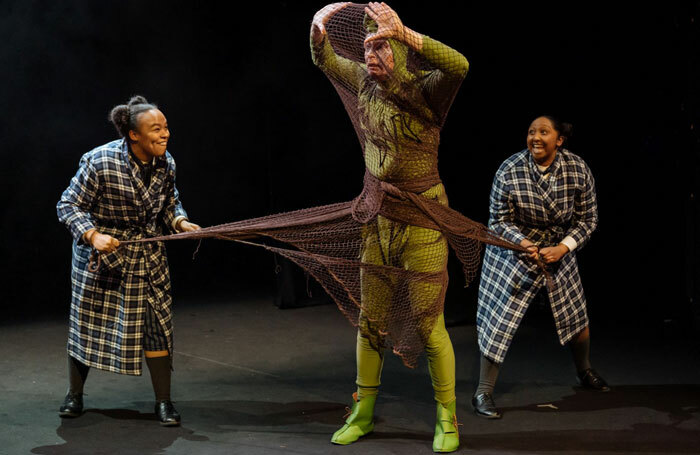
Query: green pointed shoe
{"points": [[359, 423], [446, 437]]}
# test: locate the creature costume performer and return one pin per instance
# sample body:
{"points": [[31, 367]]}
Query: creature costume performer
{"points": [[543, 198], [382, 257], [398, 111], [124, 189]]}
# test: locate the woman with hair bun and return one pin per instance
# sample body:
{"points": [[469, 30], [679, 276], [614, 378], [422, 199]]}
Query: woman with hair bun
{"points": [[544, 199], [123, 190]]}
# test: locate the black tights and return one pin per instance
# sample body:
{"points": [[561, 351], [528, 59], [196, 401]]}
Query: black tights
{"points": [[159, 368], [488, 370]]}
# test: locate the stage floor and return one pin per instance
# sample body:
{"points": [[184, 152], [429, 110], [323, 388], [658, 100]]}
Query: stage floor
{"points": [[252, 379]]}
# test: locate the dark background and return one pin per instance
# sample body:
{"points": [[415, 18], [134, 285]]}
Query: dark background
{"points": [[256, 129]]}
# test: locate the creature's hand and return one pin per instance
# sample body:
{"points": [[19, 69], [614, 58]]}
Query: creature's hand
{"points": [[389, 25], [186, 226], [103, 243], [318, 24], [554, 253]]}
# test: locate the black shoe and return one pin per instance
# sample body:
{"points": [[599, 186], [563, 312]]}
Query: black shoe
{"points": [[167, 414], [590, 379], [485, 407], [72, 406]]}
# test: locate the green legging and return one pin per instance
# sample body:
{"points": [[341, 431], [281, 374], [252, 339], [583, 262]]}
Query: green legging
{"points": [[441, 363]]}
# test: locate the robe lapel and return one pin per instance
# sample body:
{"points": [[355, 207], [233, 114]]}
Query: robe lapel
{"points": [[157, 182], [130, 170], [145, 198], [546, 186]]}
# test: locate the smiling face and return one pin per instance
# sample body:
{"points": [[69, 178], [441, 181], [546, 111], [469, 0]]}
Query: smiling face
{"points": [[379, 59], [543, 141], [151, 137]]}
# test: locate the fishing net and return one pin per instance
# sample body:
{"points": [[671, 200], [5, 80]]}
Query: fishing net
{"points": [[383, 256]]}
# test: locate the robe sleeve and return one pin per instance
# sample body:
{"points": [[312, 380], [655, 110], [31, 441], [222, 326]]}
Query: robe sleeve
{"points": [[77, 200], [502, 211], [585, 219]]}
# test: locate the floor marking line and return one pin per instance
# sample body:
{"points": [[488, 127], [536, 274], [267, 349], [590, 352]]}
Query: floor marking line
{"points": [[238, 367]]}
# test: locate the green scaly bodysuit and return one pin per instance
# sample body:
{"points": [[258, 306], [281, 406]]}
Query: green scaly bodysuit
{"points": [[399, 123]]}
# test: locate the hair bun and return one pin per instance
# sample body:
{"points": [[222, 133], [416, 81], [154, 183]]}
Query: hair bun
{"points": [[138, 99], [119, 116], [125, 116], [567, 129]]}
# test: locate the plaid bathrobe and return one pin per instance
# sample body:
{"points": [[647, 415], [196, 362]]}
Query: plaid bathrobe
{"points": [[526, 204], [108, 307]]}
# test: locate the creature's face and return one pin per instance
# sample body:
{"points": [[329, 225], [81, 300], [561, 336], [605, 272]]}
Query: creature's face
{"points": [[379, 59], [152, 134], [543, 141]]}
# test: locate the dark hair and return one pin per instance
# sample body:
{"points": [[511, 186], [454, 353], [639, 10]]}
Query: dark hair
{"points": [[565, 129], [125, 117]]}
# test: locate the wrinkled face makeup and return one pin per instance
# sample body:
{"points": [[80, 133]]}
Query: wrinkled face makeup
{"points": [[152, 135], [543, 141], [379, 59]]}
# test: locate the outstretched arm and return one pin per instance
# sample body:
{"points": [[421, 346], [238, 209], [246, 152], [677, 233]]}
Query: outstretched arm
{"points": [[342, 69]]}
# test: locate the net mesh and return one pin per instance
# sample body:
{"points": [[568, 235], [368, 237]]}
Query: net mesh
{"points": [[383, 256]]}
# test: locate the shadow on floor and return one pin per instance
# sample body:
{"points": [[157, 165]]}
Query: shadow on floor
{"points": [[215, 416], [641, 438], [121, 430], [128, 431], [681, 403], [678, 401]]}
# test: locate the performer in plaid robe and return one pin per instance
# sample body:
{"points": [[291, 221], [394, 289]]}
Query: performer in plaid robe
{"points": [[124, 189], [542, 198]]}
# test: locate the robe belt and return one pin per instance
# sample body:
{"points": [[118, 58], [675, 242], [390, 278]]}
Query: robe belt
{"points": [[554, 234], [549, 235], [131, 231]]}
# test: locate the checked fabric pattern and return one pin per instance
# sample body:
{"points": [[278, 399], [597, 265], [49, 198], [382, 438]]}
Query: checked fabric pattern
{"points": [[526, 204], [108, 307]]}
